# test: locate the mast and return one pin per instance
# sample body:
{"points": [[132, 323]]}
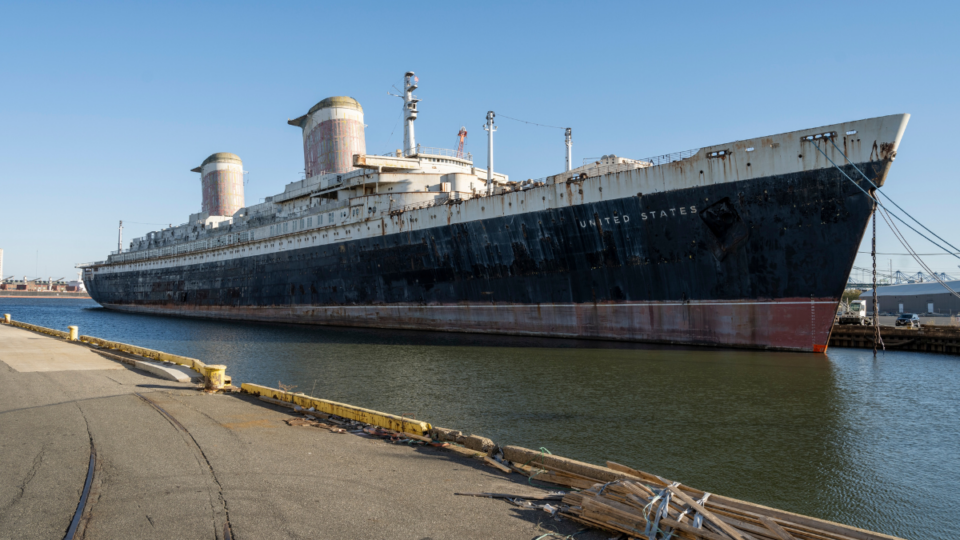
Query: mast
{"points": [[490, 128], [120, 238], [569, 137], [462, 137], [409, 113]]}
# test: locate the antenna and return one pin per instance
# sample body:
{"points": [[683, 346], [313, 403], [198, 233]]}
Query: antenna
{"points": [[490, 128]]}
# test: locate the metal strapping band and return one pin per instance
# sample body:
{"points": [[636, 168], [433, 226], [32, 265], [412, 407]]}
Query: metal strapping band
{"points": [[698, 519], [662, 511]]}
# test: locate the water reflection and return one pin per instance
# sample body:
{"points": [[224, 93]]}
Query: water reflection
{"points": [[843, 436]]}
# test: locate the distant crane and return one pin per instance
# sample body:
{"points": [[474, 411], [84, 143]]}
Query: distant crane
{"points": [[462, 135], [896, 278], [920, 277]]}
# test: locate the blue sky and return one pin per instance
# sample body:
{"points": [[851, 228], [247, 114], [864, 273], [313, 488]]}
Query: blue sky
{"points": [[105, 107]]}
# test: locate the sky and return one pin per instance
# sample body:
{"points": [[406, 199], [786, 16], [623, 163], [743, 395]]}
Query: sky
{"points": [[105, 107]]}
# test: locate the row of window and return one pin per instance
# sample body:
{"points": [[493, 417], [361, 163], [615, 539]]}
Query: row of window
{"points": [[225, 240], [306, 223]]}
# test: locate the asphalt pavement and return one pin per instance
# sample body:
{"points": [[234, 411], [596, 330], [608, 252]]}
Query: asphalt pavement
{"points": [[175, 462]]}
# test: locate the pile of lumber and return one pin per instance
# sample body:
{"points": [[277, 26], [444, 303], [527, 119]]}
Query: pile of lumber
{"points": [[623, 500], [637, 509], [614, 498]]}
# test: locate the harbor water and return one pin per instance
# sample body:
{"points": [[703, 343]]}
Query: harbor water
{"points": [[869, 442]]}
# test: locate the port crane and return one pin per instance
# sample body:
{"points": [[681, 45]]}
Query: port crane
{"points": [[920, 277], [896, 278]]}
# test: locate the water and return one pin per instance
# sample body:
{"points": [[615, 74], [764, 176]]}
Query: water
{"points": [[871, 443]]}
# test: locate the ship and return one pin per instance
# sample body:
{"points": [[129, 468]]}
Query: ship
{"points": [[746, 244]]}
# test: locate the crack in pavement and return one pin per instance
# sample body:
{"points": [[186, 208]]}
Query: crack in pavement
{"points": [[227, 528], [22, 488], [76, 401], [201, 412]]}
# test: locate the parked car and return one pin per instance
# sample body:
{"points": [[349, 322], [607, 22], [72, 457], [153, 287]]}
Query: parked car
{"points": [[908, 319]]}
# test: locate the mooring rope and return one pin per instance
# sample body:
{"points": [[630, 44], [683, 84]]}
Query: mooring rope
{"points": [[854, 182], [865, 177]]}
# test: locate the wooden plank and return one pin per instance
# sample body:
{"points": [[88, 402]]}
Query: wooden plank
{"points": [[639, 474], [560, 480], [272, 401], [564, 472], [734, 533], [615, 507], [594, 524], [465, 452], [745, 527], [804, 531], [630, 522], [525, 470], [800, 522], [776, 528], [497, 465], [750, 522], [416, 437], [686, 527], [639, 489], [537, 458], [537, 473]]}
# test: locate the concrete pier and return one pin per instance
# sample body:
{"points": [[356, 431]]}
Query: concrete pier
{"points": [[937, 339], [174, 462]]}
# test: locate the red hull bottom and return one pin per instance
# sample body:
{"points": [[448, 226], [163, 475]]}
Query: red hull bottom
{"points": [[792, 324]]}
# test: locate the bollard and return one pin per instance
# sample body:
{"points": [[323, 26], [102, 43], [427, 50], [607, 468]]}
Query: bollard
{"points": [[74, 332], [213, 378], [6, 318]]}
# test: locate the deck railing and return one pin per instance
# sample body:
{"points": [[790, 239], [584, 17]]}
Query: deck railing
{"points": [[444, 152], [417, 205], [656, 160], [431, 151]]}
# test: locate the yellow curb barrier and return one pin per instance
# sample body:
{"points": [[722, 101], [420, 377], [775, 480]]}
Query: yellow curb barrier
{"points": [[376, 418], [214, 375], [40, 329], [208, 371], [191, 363]]}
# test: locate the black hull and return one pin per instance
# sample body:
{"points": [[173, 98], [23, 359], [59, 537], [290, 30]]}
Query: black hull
{"points": [[777, 241]]}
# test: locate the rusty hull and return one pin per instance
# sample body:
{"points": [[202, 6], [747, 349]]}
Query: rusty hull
{"points": [[795, 324], [758, 263]]}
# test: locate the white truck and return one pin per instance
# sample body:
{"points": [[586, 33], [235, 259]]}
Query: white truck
{"points": [[856, 313]]}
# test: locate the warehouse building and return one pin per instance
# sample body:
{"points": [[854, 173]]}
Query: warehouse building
{"points": [[920, 298]]}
